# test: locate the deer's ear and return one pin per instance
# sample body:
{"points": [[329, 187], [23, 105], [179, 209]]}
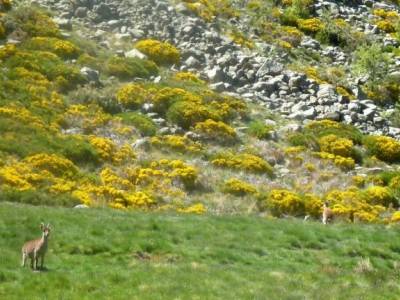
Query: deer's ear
{"points": [[48, 226], [41, 226]]}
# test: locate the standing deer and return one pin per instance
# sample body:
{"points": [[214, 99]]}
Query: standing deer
{"points": [[36, 249], [327, 214]]}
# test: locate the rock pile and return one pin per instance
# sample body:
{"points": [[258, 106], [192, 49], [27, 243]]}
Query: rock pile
{"points": [[258, 75]]}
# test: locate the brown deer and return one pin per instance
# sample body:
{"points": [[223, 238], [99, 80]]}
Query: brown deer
{"points": [[36, 249], [327, 214]]}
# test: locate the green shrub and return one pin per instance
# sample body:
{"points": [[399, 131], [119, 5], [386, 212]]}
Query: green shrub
{"points": [[129, 68], [37, 197], [48, 64], [24, 140], [185, 114], [62, 48], [33, 21], [259, 130], [303, 139], [327, 127], [298, 9], [371, 60], [143, 123]]}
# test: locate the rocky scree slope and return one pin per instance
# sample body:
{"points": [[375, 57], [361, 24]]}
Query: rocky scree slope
{"points": [[259, 74]]}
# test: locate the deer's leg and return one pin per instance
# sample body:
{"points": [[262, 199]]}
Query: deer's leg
{"points": [[23, 259], [41, 262], [35, 261]]}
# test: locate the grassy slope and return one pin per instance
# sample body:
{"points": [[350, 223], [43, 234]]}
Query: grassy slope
{"points": [[92, 255]]}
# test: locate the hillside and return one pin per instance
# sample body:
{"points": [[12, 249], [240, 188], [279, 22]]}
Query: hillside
{"points": [[219, 107], [169, 256]]}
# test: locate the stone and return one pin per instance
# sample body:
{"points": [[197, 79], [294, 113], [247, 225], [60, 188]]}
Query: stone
{"points": [[103, 11], [326, 91], [81, 12], [270, 68], [354, 106], [215, 74], [369, 113], [79, 206], [165, 131], [192, 62], [134, 53], [334, 116], [90, 74], [143, 143], [63, 23]]}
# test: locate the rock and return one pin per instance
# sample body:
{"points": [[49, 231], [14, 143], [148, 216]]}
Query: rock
{"points": [[134, 53], [289, 128], [143, 143], [63, 23], [192, 135], [326, 91], [269, 122], [333, 116], [165, 131], [103, 11], [81, 206], [369, 113], [269, 68], [192, 62], [218, 86], [81, 12], [394, 131], [159, 121], [310, 43], [90, 74], [147, 107], [309, 113], [354, 106], [215, 74]]}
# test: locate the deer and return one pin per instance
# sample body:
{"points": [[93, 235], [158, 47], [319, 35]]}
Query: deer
{"points": [[327, 214], [36, 249]]}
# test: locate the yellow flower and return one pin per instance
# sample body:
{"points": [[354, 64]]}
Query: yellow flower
{"points": [[237, 187], [160, 52], [194, 209]]}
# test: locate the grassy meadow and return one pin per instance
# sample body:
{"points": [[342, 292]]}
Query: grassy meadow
{"points": [[109, 254]]}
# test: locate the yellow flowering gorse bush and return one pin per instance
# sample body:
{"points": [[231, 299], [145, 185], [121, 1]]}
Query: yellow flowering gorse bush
{"points": [[131, 95], [161, 53], [243, 162], [87, 117], [282, 202], [238, 187], [383, 147], [312, 25], [344, 163], [216, 131], [188, 76], [336, 145], [62, 48], [177, 143], [210, 9], [198, 208]]}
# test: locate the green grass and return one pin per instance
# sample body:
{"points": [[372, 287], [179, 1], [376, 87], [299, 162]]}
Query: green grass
{"points": [[93, 254]]}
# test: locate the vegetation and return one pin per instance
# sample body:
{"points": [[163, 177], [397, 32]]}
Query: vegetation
{"points": [[131, 142], [162, 256]]}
